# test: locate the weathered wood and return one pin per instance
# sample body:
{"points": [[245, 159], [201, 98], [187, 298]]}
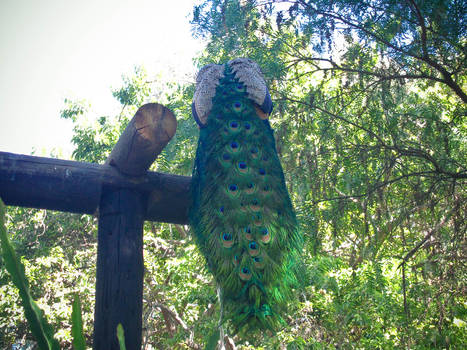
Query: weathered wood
{"points": [[126, 194], [144, 138], [119, 272], [70, 186], [119, 280]]}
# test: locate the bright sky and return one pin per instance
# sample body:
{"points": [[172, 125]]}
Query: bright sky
{"points": [[52, 49]]}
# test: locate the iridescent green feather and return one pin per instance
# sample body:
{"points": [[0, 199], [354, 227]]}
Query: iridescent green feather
{"points": [[242, 215]]}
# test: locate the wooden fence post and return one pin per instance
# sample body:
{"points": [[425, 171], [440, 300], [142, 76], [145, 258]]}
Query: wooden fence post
{"points": [[119, 276], [119, 280]]}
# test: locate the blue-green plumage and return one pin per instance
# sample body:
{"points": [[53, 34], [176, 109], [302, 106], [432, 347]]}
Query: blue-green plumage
{"points": [[241, 215]]}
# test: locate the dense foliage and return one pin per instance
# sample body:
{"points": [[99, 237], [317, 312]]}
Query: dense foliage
{"points": [[370, 119]]}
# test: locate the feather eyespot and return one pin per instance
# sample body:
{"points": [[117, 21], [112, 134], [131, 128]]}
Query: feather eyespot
{"points": [[227, 240], [247, 126], [250, 188], [265, 235], [242, 167], [225, 160], [254, 206], [245, 274], [258, 262], [232, 147], [248, 235], [220, 213], [254, 152], [266, 190], [233, 124], [233, 187], [237, 106], [253, 248], [257, 217], [240, 87], [262, 171]]}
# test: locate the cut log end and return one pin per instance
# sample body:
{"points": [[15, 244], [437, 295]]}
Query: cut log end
{"points": [[155, 123], [152, 127]]}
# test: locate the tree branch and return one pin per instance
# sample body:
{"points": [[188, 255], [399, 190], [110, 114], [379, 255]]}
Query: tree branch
{"points": [[426, 238], [412, 152], [375, 187], [337, 67], [447, 76], [173, 315], [421, 22]]}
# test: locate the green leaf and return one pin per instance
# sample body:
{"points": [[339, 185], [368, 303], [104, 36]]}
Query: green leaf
{"points": [[79, 342], [121, 336], [41, 330], [213, 340]]}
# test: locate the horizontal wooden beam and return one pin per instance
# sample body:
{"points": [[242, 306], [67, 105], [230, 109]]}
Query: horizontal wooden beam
{"points": [[70, 186]]}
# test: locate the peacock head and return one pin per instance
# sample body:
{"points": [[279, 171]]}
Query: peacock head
{"points": [[248, 74]]}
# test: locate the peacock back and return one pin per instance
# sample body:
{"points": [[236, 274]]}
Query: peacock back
{"points": [[241, 215]]}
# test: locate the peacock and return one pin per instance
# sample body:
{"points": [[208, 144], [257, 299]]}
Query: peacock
{"points": [[242, 217]]}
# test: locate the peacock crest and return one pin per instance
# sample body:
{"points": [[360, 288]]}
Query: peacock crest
{"points": [[241, 215]]}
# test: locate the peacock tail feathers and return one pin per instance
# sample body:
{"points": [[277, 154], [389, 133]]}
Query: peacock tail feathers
{"points": [[241, 215]]}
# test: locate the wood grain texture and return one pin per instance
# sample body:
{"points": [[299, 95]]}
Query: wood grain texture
{"points": [[144, 138], [119, 275], [64, 185]]}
